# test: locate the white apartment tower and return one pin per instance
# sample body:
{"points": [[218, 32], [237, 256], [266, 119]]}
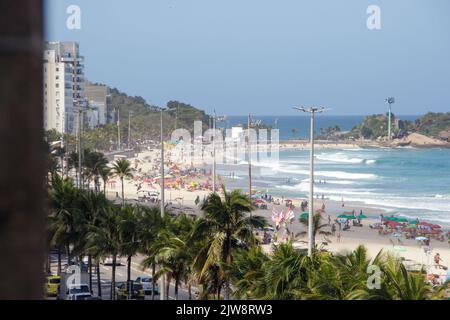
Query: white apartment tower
{"points": [[63, 86]]}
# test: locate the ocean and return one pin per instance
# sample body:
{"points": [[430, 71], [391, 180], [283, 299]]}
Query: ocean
{"points": [[406, 181], [297, 127]]}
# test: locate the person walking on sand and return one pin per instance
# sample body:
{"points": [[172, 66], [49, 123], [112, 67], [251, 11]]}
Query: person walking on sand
{"points": [[329, 220], [437, 259], [339, 236]]}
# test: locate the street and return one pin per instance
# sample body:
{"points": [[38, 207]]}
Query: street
{"points": [[121, 276]]}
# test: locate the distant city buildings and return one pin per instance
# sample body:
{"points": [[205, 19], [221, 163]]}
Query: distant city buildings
{"points": [[66, 92], [100, 111]]}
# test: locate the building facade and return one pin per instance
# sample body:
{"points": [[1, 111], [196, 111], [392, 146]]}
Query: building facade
{"points": [[63, 86], [99, 99]]}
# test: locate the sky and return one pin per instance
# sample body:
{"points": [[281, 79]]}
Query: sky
{"points": [[266, 56]]}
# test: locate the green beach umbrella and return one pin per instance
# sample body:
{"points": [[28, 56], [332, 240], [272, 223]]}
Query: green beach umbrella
{"points": [[342, 216], [361, 216], [304, 215]]}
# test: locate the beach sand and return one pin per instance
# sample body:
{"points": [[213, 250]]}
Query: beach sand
{"points": [[409, 249]]}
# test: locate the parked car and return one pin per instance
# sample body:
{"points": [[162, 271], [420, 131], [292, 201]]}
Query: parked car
{"points": [[52, 286], [78, 292], [147, 284], [122, 291], [109, 261]]}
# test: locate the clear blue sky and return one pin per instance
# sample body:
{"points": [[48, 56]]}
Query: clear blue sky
{"points": [[264, 56]]}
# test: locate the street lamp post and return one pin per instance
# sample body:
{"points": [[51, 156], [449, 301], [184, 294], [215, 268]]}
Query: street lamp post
{"points": [[79, 146], [214, 121], [214, 152], [390, 101], [163, 278], [129, 128], [311, 111], [118, 129]]}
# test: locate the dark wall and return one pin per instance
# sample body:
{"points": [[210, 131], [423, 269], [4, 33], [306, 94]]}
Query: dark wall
{"points": [[21, 150]]}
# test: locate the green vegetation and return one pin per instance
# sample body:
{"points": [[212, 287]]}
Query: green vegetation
{"points": [[435, 125], [144, 120], [376, 126]]}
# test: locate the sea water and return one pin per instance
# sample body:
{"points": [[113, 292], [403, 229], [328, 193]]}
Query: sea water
{"points": [[407, 181]]}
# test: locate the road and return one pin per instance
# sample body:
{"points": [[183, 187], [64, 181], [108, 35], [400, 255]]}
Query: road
{"points": [[121, 276]]}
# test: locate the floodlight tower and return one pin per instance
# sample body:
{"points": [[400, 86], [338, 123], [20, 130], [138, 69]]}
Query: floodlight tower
{"points": [[389, 101], [312, 111]]}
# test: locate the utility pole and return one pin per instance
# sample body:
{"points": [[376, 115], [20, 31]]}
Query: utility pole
{"points": [[118, 129], [163, 278], [389, 101], [80, 113], [249, 151], [311, 111], [214, 152], [129, 129]]}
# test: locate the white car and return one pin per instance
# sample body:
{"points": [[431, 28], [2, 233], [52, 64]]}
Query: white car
{"points": [[109, 261], [78, 292], [147, 284]]}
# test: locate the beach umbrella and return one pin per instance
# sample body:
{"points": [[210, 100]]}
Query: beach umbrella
{"points": [[304, 215], [421, 238], [361, 216], [401, 219], [343, 216], [431, 225]]}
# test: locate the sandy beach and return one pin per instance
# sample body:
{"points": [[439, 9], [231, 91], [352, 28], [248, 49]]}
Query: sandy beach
{"points": [[182, 197]]}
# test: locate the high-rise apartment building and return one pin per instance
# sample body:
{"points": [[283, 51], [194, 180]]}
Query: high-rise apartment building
{"points": [[63, 86], [99, 100]]}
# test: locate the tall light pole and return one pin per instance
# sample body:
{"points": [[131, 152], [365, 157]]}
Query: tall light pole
{"points": [[129, 128], [389, 101], [118, 129], [249, 151], [163, 278], [214, 152], [214, 121], [79, 146], [311, 111]]}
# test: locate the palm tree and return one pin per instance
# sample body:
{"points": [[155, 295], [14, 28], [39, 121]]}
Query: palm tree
{"points": [[318, 226], [105, 174], [104, 240], [122, 169], [228, 227], [247, 273], [94, 163], [285, 273], [151, 225], [63, 215], [94, 205], [177, 250], [129, 226], [403, 285]]}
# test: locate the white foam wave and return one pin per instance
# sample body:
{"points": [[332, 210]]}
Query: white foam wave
{"points": [[338, 157], [346, 175]]}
